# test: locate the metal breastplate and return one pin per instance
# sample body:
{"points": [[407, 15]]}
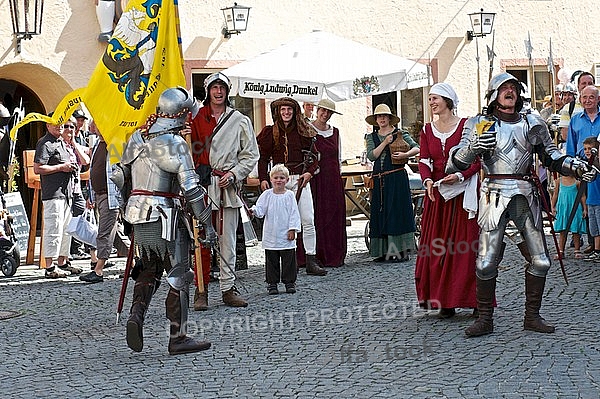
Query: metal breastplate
{"points": [[158, 166], [512, 156], [513, 153]]}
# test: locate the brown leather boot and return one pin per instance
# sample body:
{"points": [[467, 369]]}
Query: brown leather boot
{"points": [[534, 289], [232, 298], [486, 290], [524, 249], [201, 299], [313, 268], [185, 344], [142, 294], [179, 342]]}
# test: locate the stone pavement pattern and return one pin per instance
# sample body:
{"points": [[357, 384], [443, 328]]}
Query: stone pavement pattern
{"points": [[354, 333]]}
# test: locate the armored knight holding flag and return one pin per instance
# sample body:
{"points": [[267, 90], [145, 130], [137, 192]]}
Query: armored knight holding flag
{"points": [[159, 165], [506, 141]]}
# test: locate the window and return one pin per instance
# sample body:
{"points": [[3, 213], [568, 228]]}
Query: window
{"points": [[543, 84], [412, 115], [244, 105]]}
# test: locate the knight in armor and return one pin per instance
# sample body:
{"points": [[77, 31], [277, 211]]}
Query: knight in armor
{"points": [[158, 163], [506, 140]]}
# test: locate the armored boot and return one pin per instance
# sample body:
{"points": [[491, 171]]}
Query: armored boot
{"points": [[534, 289], [179, 342], [486, 290], [201, 299], [142, 294], [313, 268]]}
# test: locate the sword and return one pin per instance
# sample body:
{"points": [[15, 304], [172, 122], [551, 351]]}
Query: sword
{"points": [[126, 275]]}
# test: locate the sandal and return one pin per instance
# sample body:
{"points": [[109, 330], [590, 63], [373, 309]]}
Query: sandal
{"points": [[578, 254], [68, 268], [562, 255]]}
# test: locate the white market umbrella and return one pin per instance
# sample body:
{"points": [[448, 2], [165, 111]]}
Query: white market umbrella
{"points": [[321, 64]]}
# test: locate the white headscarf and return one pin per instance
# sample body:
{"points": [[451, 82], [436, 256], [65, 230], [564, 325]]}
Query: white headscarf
{"points": [[445, 90]]}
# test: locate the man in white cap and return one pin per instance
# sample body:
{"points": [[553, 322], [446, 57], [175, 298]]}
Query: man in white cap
{"points": [[223, 138]]}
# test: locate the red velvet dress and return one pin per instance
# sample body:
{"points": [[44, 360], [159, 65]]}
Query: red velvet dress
{"points": [[445, 266]]}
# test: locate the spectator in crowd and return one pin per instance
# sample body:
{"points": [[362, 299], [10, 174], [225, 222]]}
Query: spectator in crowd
{"points": [[583, 79], [584, 124], [291, 141], [282, 221], [592, 200], [106, 198], [392, 224], [80, 157], [308, 108], [445, 279], [52, 161], [563, 199], [81, 133]]}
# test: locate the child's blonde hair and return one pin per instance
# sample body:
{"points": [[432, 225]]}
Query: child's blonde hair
{"points": [[280, 168]]}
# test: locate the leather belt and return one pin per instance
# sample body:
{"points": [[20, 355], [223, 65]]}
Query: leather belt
{"points": [[509, 177], [155, 193]]}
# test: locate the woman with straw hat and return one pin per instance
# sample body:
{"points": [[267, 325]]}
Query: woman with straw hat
{"points": [[328, 190], [392, 225]]}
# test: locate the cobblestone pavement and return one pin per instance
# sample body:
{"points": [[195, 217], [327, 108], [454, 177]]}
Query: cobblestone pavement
{"points": [[353, 333]]}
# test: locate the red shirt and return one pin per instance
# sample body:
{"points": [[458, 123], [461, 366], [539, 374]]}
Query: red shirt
{"points": [[202, 127]]}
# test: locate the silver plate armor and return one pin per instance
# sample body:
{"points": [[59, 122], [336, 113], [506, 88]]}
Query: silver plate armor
{"points": [[514, 197], [162, 164]]}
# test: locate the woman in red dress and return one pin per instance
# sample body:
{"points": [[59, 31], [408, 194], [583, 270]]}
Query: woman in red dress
{"points": [[445, 266]]}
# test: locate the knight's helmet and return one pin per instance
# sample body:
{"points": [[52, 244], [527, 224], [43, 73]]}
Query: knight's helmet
{"points": [[172, 109], [211, 80], [494, 85], [570, 88]]}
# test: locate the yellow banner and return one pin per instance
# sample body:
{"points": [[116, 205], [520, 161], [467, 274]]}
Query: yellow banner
{"points": [[63, 111], [142, 59]]}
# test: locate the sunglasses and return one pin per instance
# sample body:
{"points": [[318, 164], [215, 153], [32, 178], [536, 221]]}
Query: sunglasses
{"points": [[69, 126]]}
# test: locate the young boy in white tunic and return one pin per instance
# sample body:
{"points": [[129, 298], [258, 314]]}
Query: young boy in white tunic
{"points": [[282, 221]]}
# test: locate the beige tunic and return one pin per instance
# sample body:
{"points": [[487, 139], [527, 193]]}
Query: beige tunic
{"points": [[233, 149]]}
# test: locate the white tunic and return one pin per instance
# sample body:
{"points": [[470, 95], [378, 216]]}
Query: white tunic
{"points": [[281, 215]]}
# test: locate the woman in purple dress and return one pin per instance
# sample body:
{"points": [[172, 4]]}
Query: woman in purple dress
{"points": [[328, 190]]}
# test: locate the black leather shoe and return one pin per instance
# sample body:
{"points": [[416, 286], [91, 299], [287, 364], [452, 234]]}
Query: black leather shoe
{"points": [[91, 278], [290, 288]]}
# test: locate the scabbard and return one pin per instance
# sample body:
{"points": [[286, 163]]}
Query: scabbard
{"points": [[126, 274]]}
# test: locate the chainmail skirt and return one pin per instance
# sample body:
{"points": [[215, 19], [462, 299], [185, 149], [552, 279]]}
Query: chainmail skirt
{"points": [[148, 238]]}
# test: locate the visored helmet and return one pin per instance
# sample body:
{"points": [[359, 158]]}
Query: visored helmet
{"points": [[214, 78], [569, 88], [494, 85], [172, 109]]}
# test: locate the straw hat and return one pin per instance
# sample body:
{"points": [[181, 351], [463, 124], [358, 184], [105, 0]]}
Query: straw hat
{"points": [[328, 105], [382, 109]]}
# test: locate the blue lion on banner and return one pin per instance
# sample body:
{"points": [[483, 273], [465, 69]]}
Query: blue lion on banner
{"points": [[130, 53]]}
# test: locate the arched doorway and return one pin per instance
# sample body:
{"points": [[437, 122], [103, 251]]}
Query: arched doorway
{"points": [[14, 95]]}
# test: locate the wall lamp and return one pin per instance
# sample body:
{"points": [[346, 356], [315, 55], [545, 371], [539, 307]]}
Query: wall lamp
{"points": [[236, 19], [26, 16], [482, 24]]}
